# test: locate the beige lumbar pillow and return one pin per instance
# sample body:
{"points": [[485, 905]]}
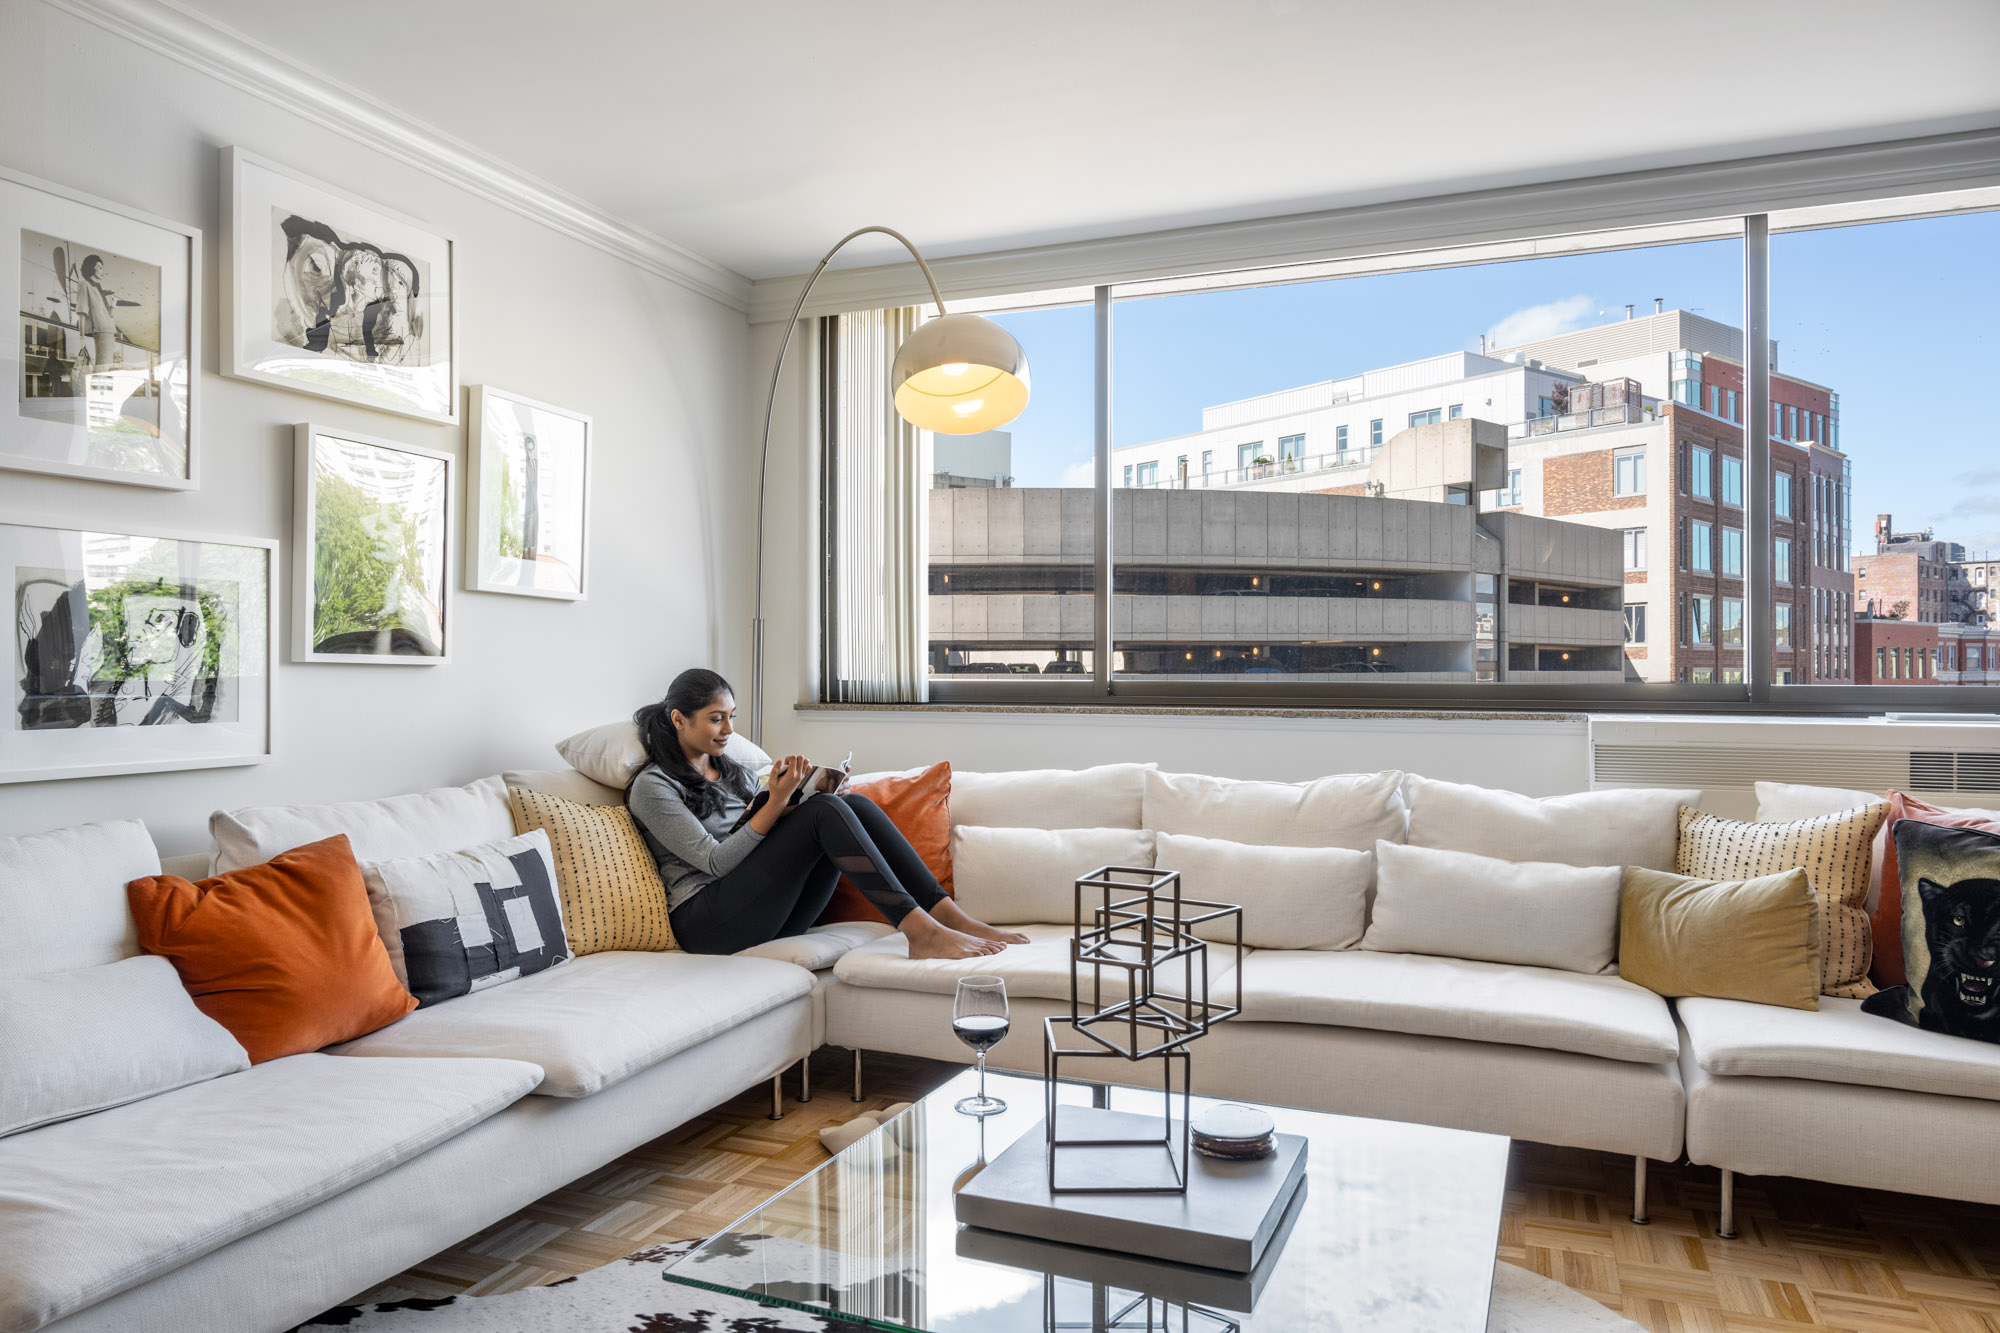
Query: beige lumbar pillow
{"points": [[1292, 897], [1528, 913], [1755, 939], [609, 884], [1833, 850]]}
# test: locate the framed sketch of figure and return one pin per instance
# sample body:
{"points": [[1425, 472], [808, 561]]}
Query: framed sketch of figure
{"points": [[104, 361], [135, 653], [328, 295], [371, 578], [527, 497]]}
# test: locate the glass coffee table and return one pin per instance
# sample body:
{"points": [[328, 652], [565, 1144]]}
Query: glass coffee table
{"points": [[1395, 1231]]}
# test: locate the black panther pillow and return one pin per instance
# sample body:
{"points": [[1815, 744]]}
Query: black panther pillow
{"points": [[1951, 931]]}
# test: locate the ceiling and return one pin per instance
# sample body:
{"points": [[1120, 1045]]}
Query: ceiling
{"points": [[757, 133]]}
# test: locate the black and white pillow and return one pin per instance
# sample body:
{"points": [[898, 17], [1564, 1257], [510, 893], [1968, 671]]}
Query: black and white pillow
{"points": [[460, 922]]}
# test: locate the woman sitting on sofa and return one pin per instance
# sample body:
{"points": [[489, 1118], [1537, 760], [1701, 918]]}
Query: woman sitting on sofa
{"points": [[731, 887]]}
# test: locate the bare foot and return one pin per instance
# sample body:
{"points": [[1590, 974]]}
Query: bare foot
{"points": [[955, 918], [928, 939]]}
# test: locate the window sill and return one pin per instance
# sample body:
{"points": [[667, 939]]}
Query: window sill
{"points": [[1144, 710]]}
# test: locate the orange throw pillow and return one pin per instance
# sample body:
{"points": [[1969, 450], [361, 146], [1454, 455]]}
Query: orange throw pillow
{"points": [[1886, 923], [283, 954], [920, 808]]}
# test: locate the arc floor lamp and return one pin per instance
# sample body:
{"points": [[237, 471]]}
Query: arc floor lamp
{"points": [[956, 375]]}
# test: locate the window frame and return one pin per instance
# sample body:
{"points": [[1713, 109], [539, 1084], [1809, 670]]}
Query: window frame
{"points": [[1761, 693]]}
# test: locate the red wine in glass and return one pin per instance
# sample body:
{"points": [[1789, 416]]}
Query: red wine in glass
{"points": [[979, 1019]]}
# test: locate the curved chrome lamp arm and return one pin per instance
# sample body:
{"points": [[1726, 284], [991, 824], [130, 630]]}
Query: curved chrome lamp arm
{"points": [[764, 458]]}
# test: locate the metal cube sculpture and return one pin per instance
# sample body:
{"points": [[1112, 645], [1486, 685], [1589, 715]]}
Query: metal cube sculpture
{"points": [[1135, 922]]}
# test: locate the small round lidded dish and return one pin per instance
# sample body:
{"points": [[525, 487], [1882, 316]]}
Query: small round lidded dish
{"points": [[1232, 1132]]}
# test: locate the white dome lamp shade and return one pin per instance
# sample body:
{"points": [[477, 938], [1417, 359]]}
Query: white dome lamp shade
{"points": [[959, 375]]}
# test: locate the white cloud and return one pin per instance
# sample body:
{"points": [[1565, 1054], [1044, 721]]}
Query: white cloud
{"points": [[1079, 474], [1541, 321]]}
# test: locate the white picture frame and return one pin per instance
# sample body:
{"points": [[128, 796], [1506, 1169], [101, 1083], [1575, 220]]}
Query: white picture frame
{"points": [[527, 497], [375, 514], [330, 295], [103, 364], [167, 661]]}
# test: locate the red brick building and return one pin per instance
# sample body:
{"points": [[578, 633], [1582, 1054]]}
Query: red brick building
{"points": [[1895, 652]]}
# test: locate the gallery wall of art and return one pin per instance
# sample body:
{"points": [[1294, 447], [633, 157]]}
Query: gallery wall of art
{"points": [[134, 633]]}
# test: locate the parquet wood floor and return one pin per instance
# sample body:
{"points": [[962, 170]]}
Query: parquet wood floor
{"points": [[1810, 1256]]}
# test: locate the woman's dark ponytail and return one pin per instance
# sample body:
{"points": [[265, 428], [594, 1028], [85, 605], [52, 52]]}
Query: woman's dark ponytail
{"points": [[692, 691]]}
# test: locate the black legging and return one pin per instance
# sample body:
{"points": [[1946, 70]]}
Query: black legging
{"points": [[781, 888]]}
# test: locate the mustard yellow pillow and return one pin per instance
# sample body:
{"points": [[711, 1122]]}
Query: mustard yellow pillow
{"points": [[1756, 940], [1834, 851], [610, 886]]}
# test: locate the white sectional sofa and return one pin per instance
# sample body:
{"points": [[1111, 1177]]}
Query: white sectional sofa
{"points": [[258, 1198]]}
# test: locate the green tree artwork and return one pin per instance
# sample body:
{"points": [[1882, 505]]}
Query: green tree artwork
{"points": [[368, 568]]}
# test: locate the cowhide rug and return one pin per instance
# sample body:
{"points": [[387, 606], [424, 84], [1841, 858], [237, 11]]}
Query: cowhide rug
{"points": [[629, 1296]]}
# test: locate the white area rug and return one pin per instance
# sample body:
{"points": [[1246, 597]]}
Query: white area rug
{"points": [[629, 1296]]}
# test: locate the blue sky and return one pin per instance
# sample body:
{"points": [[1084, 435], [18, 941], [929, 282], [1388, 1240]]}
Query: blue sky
{"points": [[1897, 318]]}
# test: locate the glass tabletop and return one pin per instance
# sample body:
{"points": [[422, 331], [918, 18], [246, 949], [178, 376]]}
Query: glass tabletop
{"points": [[1395, 1230]]}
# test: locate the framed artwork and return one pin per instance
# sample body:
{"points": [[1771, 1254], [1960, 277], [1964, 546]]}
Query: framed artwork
{"points": [[327, 295], [370, 569], [527, 507], [104, 361], [134, 653]]}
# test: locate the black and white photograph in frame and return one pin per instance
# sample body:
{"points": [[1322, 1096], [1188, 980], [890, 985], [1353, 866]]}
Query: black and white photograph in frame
{"points": [[371, 568], [326, 294], [527, 511], [104, 358], [135, 653]]}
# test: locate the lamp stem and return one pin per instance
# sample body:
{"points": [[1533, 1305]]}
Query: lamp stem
{"points": [[764, 456]]}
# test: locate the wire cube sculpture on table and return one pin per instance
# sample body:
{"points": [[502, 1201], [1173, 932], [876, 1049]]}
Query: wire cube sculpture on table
{"points": [[1135, 922]]}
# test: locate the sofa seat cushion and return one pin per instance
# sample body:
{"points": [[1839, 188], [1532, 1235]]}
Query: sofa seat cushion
{"points": [[1451, 997], [595, 1021], [822, 946], [1037, 970], [1836, 1043], [92, 1206]]}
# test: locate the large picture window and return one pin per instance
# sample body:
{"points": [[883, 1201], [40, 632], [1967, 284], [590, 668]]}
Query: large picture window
{"points": [[1439, 476]]}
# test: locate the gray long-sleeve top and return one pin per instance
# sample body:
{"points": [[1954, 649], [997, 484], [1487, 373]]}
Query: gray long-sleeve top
{"points": [[691, 852]]}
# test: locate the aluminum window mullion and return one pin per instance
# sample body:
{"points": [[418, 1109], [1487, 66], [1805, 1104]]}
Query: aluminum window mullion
{"points": [[1101, 511], [1759, 588]]}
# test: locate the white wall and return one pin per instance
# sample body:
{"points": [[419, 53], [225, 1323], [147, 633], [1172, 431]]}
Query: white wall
{"points": [[661, 369]]}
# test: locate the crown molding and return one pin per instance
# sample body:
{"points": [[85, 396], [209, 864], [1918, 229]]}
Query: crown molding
{"points": [[177, 32], [1628, 199]]}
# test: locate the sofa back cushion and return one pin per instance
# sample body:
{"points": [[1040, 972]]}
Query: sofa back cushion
{"points": [[566, 783], [1352, 810], [62, 897], [1528, 913], [1624, 826], [613, 754], [82, 1041], [1782, 802], [1107, 796], [284, 954], [447, 819], [1292, 897], [1009, 876]]}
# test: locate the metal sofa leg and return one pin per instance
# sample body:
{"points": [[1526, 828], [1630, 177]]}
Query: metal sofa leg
{"points": [[806, 1079], [1727, 1230], [857, 1076], [778, 1096], [1639, 1217]]}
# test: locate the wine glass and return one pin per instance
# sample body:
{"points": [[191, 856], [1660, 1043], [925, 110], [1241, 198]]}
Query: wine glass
{"points": [[979, 1019]]}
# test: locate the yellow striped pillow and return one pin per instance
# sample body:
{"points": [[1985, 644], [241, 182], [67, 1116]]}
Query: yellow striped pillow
{"points": [[610, 887], [1834, 852]]}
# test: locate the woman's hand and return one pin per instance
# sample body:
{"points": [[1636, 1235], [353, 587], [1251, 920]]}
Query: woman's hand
{"points": [[786, 776]]}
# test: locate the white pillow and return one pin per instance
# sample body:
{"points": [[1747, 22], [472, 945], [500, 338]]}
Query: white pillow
{"points": [[1637, 826], [76, 1042], [1107, 796], [1292, 897], [613, 754], [442, 820], [1346, 810], [1014, 875], [62, 897], [1530, 913], [1784, 802], [459, 922]]}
